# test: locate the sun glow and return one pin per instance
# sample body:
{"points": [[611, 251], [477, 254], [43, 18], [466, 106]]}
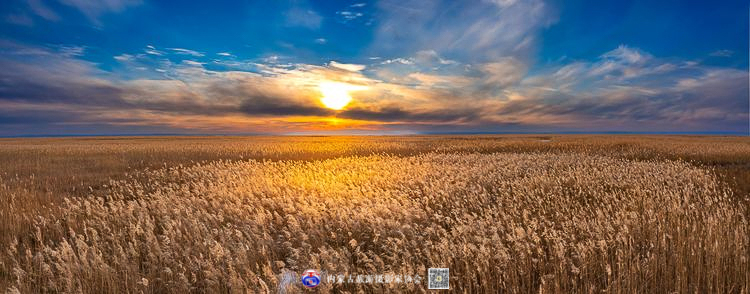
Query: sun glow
{"points": [[336, 95]]}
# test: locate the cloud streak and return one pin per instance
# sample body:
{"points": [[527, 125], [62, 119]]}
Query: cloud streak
{"points": [[475, 31], [94, 10]]}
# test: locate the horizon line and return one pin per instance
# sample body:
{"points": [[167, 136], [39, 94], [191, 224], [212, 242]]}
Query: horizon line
{"points": [[312, 134]]}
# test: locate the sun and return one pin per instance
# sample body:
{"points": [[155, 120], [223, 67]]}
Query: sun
{"points": [[336, 95]]}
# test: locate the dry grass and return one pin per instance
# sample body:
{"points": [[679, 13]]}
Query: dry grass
{"points": [[515, 213]]}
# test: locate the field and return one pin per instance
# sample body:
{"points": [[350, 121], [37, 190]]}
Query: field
{"points": [[560, 214]]}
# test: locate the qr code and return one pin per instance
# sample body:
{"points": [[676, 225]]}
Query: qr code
{"points": [[437, 278]]}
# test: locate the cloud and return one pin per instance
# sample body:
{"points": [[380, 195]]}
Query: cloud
{"points": [[124, 57], [397, 114], [428, 57], [478, 31], [192, 63], [620, 64], [187, 52], [280, 92], [398, 60], [627, 87], [152, 50], [321, 40], [71, 50], [271, 58], [430, 80], [58, 81], [19, 19], [503, 3], [352, 13], [42, 10], [627, 55], [93, 10], [503, 73], [722, 53], [278, 106], [303, 17], [346, 66], [347, 16]]}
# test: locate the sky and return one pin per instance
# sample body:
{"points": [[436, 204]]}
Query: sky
{"points": [[78, 67]]}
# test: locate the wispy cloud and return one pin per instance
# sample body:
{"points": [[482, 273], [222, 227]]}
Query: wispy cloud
{"points": [[430, 57], [94, 10], [150, 49], [628, 87], [302, 16], [124, 57], [71, 50], [722, 53], [42, 10], [476, 31], [19, 19], [187, 52], [354, 12], [349, 15]]}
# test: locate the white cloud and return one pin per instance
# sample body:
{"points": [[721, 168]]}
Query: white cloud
{"points": [[150, 49], [352, 13], [625, 54], [400, 60], [346, 66], [349, 15], [271, 59], [124, 57], [626, 63], [187, 52]]}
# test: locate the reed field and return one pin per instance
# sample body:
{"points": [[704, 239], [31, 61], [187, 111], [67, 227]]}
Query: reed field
{"points": [[515, 214]]}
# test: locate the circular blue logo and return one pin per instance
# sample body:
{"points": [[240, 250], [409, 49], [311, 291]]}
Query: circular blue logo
{"points": [[310, 279]]}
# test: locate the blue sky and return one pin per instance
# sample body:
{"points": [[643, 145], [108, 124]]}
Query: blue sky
{"points": [[409, 66]]}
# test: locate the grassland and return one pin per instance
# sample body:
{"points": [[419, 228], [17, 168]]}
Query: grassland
{"points": [[619, 214]]}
